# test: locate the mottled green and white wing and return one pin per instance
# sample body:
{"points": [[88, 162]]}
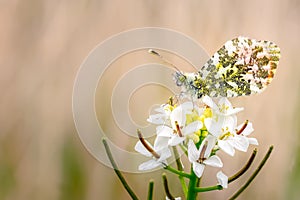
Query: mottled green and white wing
{"points": [[242, 66]]}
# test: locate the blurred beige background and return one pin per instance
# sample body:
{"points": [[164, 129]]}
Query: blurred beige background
{"points": [[43, 43]]}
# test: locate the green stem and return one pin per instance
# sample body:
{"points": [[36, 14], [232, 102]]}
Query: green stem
{"points": [[192, 194], [245, 168], [117, 171], [150, 190], [175, 171], [166, 187], [194, 180], [180, 168], [262, 163]]}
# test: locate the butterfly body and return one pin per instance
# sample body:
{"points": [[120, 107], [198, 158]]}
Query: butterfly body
{"points": [[242, 66]]}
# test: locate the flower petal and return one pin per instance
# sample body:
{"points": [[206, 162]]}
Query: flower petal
{"points": [[192, 127], [213, 161], [222, 179], [164, 154], [213, 127], [178, 115], [150, 164], [211, 142], [193, 152], [175, 140], [234, 111], [253, 141], [208, 101], [241, 143], [157, 118], [224, 103], [187, 105], [226, 147], [198, 169], [164, 131], [139, 147], [159, 109], [160, 143], [230, 123]]}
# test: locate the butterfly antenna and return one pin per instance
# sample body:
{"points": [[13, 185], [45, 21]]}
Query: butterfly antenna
{"points": [[153, 52]]}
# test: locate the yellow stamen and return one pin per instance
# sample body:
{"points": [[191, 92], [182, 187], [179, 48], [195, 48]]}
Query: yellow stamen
{"points": [[225, 135]]}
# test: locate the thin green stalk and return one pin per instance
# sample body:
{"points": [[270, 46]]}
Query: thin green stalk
{"points": [[117, 171], [184, 149], [178, 160], [262, 163], [232, 178], [198, 182], [211, 188], [180, 168], [150, 190], [175, 171], [244, 169], [166, 187]]}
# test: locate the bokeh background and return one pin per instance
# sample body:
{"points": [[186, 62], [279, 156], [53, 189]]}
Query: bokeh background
{"points": [[43, 43]]}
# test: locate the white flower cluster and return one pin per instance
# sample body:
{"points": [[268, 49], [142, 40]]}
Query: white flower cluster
{"points": [[202, 130]]}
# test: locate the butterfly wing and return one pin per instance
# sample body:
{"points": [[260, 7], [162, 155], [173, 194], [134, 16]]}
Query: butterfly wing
{"points": [[242, 66]]}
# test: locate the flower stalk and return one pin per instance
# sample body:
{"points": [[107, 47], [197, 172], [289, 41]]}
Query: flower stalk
{"points": [[245, 168], [166, 187], [175, 171], [118, 172], [180, 168], [262, 163], [150, 190]]}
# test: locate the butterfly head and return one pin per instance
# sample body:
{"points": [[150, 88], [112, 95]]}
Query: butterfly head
{"points": [[179, 78]]}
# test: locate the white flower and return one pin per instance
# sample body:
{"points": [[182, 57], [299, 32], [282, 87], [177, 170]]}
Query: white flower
{"points": [[222, 179], [222, 130], [229, 136], [178, 136], [178, 129], [223, 108], [179, 114], [158, 118], [202, 157], [246, 132], [159, 153], [163, 113]]}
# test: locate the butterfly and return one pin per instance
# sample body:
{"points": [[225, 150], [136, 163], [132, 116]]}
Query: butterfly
{"points": [[241, 67]]}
